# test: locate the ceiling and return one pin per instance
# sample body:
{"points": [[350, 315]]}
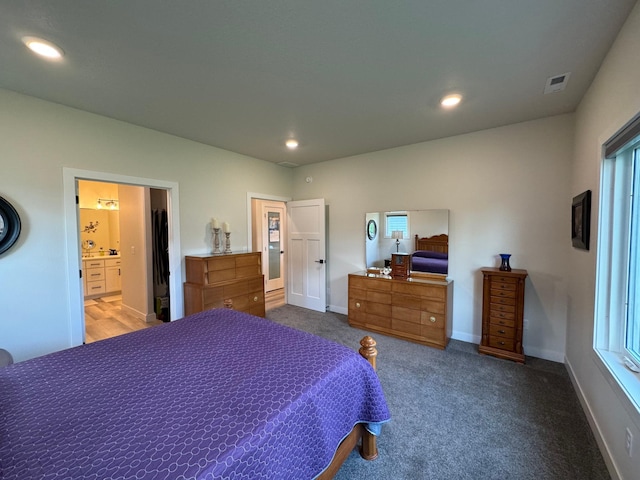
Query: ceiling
{"points": [[344, 77]]}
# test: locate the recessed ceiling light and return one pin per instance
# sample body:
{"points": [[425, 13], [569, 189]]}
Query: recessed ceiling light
{"points": [[451, 100], [43, 48], [291, 144]]}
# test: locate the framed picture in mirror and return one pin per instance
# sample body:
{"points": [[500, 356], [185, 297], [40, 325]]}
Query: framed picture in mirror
{"points": [[9, 225], [372, 229]]}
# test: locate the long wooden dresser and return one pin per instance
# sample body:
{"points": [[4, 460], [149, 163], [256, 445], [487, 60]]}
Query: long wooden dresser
{"points": [[415, 309], [502, 313], [233, 281]]}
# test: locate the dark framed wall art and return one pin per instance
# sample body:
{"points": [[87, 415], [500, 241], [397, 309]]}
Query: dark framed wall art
{"points": [[581, 220], [9, 225]]}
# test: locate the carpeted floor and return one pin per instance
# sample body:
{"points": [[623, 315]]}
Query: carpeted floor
{"points": [[457, 414]]}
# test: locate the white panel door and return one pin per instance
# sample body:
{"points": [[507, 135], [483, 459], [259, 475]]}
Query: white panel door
{"points": [[307, 261]]}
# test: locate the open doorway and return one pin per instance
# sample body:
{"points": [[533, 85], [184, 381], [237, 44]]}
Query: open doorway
{"points": [[268, 235], [124, 289], [130, 189]]}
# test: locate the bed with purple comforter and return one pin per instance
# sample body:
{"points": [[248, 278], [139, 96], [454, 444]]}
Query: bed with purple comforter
{"points": [[431, 262], [219, 394]]}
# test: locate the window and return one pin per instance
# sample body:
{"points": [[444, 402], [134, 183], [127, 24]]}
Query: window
{"points": [[617, 312], [396, 221]]}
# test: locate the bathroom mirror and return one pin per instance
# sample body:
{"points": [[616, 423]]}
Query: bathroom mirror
{"points": [[396, 232]]}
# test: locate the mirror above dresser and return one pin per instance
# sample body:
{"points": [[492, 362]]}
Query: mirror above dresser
{"points": [[422, 233]]}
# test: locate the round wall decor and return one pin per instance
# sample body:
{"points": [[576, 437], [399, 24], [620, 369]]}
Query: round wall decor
{"points": [[9, 225], [372, 229]]}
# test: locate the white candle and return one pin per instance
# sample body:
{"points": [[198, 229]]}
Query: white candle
{"points": [[215, 223], [226, 228]]}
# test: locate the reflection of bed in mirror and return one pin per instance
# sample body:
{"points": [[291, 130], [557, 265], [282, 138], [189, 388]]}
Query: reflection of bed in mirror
{"points": [[428, 224], [431, 254]]}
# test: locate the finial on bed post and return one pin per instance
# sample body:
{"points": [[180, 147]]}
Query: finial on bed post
{"points": [[368, 350], [368, 447]]}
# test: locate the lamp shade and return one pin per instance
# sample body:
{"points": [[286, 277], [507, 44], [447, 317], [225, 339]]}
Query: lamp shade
{"points": [[397, 234]]}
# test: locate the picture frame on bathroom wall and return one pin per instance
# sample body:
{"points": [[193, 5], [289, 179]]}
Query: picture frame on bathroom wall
{"points": [[581, 220], [9, 225]]}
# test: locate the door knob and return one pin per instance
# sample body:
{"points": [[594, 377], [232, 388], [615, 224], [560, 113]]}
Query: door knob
{"points": [[319, 261]]}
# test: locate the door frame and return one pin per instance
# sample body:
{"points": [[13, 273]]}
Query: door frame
{"points": [[275, 198], [72, 234], [271, 206]]}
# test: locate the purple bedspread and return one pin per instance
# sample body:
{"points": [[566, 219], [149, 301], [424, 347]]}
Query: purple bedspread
{"points": [[432, 262], [219, 394]]}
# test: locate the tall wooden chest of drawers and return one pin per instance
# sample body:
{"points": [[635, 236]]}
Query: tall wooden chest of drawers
{"points": [[418, 310], [502, 313], [234, 279]]}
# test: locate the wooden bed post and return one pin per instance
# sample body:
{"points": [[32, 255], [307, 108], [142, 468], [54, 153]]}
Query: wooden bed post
{"points": [[368, 350], [368, 449]]}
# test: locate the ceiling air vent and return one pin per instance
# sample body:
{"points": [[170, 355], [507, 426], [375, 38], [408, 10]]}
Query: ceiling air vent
{"points": [[557, 83], [288, 164]]}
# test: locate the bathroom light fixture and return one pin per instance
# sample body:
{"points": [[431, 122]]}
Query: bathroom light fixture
{"points": [[292, 144], [108, 203], [43, 48], [451, 100]]}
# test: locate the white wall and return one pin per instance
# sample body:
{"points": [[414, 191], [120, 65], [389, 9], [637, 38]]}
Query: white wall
{"points": [[38, 139], [613, 99], [507, 192]]}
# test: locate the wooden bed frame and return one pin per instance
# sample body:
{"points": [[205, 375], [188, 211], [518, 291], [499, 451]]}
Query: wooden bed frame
{"points": [[436, 243], [359, 434]]}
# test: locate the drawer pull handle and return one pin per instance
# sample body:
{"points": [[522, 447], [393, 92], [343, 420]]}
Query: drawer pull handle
{"points": [[357, 304], [432, 319], [501, 343], [500, 331], [501, 322], [255, 299]]}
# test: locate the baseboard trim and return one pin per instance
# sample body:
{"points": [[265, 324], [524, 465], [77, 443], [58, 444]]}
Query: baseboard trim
{"points": [[145, 317], [337, 309], [593, 423]]}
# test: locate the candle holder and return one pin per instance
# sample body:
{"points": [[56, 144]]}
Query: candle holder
{"points": [[216, 241], [227, 242]]}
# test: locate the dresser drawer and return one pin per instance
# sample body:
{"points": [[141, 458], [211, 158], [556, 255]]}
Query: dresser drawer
{"points": [[408, 301], [500, 331], [112, 262], [377, 321], [502, 301], [406, 314], [93, 264], [496, 292], [378, 297], [94, 288], [433, 320], [435, 292], [503, 322], [503, 279], [383, 309], [366, 283], [94, 274], [501, 343]]}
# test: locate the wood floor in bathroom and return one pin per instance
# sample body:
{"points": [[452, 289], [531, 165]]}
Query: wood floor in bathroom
{"points": [[104, 317]]}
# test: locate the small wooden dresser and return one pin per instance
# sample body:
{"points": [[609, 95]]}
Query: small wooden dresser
{"points": [[235, 279], [415, 309], [502, 313]]}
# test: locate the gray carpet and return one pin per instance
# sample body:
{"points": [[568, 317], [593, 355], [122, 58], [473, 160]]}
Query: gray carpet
{"points": [[457, 414]]}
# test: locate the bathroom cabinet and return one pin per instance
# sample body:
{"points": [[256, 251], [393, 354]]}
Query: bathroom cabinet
{"points": [[101, 276]]}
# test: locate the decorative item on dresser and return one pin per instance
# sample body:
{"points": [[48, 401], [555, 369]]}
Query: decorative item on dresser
{"points": [[502, 313], [232, 281], [400, 265], [416, 309]]}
